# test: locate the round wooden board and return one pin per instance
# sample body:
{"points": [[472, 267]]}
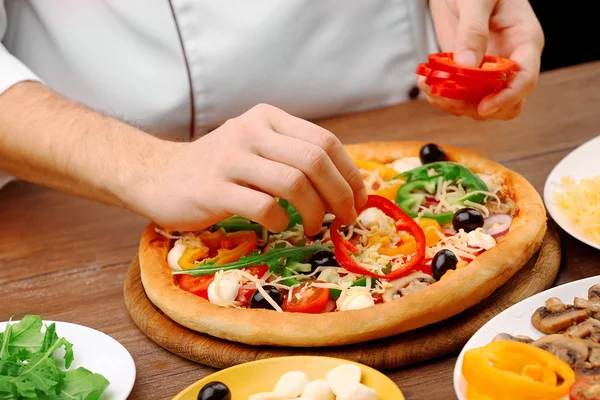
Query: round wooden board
{"points": [[408, 348]]}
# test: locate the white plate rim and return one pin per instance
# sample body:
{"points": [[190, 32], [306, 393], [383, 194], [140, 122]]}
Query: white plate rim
{"points": [[536, 300], [553, 181], [126, 356]]}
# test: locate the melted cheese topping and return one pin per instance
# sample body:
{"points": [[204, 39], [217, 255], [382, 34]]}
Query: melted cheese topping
{"points": [[580, 202]]}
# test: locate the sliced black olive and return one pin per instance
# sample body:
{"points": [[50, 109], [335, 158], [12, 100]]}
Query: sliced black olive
{"points": [[442, 262], [431, 153], [467, 219], [258, 300], [214, 391], [323, 258]]}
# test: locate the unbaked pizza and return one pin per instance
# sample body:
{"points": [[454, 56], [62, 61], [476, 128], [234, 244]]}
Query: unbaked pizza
{"points": [[442, 229]]}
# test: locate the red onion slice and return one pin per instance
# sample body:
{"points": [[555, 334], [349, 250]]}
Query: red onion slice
{"points": [[497, 225]]}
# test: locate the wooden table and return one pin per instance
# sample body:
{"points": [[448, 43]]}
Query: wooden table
{"points": [[65, 258]]}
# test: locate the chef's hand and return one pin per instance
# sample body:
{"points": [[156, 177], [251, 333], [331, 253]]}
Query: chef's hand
{"points": [[474, 28], [239, 167]]}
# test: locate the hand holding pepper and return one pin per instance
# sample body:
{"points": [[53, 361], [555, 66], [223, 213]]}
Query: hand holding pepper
{"points": [[474, 28]]}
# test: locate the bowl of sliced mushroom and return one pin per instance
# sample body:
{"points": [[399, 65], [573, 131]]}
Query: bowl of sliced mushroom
{"points": [[563, 321]]}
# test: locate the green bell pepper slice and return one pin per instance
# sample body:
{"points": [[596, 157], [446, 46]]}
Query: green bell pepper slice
{"points": [[420, 179]]}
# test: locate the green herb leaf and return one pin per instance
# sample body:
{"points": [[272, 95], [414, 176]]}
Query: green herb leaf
{"points": [[274, 258], [83, 384], [28, 368]]}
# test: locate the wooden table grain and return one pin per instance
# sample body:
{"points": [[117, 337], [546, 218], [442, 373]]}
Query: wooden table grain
{"points": [[65, 258]]}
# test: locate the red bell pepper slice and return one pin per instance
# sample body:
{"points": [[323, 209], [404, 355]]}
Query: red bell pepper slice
{"points": [[235, 245], [403, 223], [436, 76], [492, 67], [450, 90], [423, 69]]}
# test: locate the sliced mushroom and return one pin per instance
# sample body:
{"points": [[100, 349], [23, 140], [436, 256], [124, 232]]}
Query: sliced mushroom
{"points": [[594, 293], [406, 285], [556, 316], [584, 329], [594, 357], [586, 304], [518, 338], [585, 368], [571, 350]]}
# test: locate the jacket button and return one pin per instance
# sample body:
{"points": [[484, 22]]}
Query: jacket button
{"points": [[414, 92]]}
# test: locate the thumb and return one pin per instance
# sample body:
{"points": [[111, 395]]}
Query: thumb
{"points": [[473, 31]]}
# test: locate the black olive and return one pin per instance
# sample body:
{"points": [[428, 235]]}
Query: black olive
{"points": [[442, 262], [431, 153], [323, 258], [258, 300], [214, 391], [467, 219]]}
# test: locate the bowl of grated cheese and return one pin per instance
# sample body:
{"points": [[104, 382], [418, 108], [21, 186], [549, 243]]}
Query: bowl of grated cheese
{"points": [[572, 193]]}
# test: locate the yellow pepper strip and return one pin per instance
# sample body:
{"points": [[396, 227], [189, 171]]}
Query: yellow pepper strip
{"points": [[431, 228], [191, 255], [373, 240], [515, 371], [390, 191], [385, 172], [408, 247]]}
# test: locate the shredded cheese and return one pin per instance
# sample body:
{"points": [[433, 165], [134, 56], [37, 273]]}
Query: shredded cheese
{"points": [[580, 202]]}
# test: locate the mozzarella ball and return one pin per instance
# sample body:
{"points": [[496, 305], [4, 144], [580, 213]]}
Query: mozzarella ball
{"points": [[223, 291], [317, 390], [357, 391], [343, 376], [406, 164], [174, 255], [371, 217], [291, 384], [267, 396], [479, 238], [354, 301]]}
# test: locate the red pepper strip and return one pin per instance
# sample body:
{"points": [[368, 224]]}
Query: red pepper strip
{"points": [[491, 67], [236, 245], [403, 223], [450, 90]]}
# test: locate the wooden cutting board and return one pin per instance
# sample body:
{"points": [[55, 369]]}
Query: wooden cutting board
{"points": [[408, 348]]}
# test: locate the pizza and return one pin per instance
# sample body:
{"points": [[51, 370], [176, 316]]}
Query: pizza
{"points": [[443, 228]]}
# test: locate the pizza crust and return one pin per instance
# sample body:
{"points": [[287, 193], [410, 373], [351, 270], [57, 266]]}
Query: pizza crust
{"points": [[439, 301]]}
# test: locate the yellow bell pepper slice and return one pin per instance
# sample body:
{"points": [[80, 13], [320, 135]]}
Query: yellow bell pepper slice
{"points": [[515, 371], [190, 256], [408, 247], [389, 192], [431, 228], [385, 172]]}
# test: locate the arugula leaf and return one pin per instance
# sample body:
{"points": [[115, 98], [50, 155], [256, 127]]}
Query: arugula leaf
{"points": [[29, 370], [273, 258], [24, 335], [83, 384]]}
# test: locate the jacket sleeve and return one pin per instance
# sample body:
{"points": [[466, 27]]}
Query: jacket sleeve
{"points": [[12, 71]]}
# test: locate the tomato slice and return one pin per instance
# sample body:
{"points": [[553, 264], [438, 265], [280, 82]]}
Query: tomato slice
{"points": [[450, 90], [586, 388], [258, 270], [492, 67], [197, 285], [245, 294], [312, 301]]}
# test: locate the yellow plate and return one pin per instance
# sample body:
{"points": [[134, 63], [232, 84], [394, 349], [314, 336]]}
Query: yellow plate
{"points": [[261, 376]]}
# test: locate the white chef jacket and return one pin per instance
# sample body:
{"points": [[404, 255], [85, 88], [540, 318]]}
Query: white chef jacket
{"points": [[180, 68]]}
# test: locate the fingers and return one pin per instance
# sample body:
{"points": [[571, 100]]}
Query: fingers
{"points": [[528, 58], [253, 205], [297, 128], [473, 31], [281, 180], [315, 165]]}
